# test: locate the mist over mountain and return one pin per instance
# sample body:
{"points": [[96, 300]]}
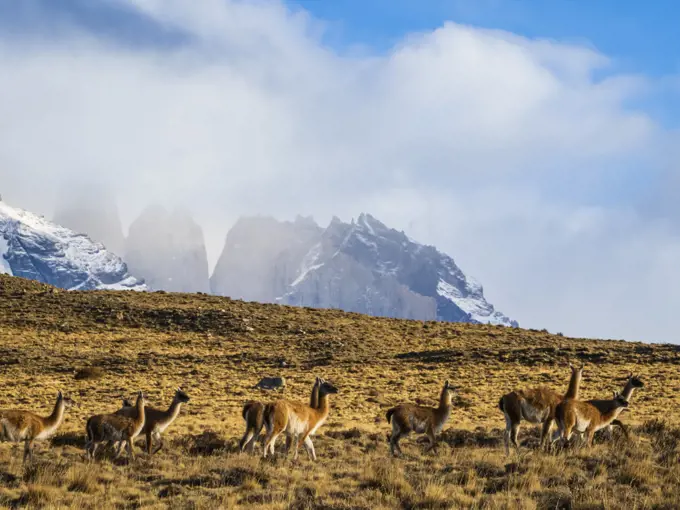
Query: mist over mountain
{"points": [[167, 249], [95, 215]]}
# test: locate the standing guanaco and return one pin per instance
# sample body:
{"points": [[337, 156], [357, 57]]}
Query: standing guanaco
{"points": [[157, 420], [115, 428], [407, 418], [297, 420], [585, 418], [253, 415], [535, 405], [28, 427]]}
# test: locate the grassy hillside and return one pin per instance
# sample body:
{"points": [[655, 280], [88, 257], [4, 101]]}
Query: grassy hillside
{"points": [[99, 346]]}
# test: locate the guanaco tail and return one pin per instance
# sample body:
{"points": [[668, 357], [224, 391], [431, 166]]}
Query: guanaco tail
{"points": [[253, 415], [535, 405], [157, 420], [297, 420], [17, 426], [406, 418], [116, 428]]}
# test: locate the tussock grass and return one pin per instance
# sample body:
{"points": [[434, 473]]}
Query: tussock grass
{"points": [[217, 349]]}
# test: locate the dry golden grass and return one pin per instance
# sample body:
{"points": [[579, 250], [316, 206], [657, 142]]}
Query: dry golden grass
{"points": [[99, 346]]}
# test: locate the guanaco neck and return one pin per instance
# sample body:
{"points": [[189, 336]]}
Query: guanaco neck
{"points": [[574, 385], [628, 390], [324, 405], [173, 410], [55, 419], [444, 401], [141, 414]]}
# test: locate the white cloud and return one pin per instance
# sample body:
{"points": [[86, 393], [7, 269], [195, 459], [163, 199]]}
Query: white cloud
{"points": [[511, 145]]}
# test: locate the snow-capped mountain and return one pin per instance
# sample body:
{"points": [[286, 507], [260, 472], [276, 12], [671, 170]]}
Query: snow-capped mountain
{"points": [[32, 247], [361, 266]]}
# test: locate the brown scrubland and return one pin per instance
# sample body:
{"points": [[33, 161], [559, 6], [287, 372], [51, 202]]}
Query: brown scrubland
{"points": [[100, 347]]}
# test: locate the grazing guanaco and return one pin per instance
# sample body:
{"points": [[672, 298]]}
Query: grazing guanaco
{"points": [[298, 421], [253, 414], [586, 418], [407, 418], [535, 405], [116, 428], [28, 427], [157, 420]]}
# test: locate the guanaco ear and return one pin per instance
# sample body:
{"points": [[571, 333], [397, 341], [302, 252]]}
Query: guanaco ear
{"points": [[615, 394], [59, 394], [446, 384], [571, 366]]}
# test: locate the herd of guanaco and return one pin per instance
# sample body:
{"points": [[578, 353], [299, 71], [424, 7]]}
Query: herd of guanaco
{"points": [[299, 421]]}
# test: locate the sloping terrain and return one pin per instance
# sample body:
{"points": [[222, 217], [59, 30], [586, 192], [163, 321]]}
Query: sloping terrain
{"points": [[217, 349]]}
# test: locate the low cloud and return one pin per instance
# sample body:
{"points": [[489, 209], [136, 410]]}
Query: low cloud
{"points": [[521, 158]]}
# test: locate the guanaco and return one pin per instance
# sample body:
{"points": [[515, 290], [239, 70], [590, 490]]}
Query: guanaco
{"points": [[535, 405], [586, 418], [16, 426], [253, 415], [157, 420], [116, 428], [406, 418], [298, 421], [632, 383]]}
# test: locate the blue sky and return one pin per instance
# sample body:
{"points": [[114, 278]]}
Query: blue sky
{"points": [[543, 158], [639, 37]]}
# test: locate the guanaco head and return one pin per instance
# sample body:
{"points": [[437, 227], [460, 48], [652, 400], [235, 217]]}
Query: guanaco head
{"points": [[127, 403], [577, 370], [326, 388], [447, 391], [180, 396], [67, 401], [635, 381]]}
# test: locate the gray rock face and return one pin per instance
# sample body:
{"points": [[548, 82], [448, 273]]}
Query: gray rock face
{"points": [[34, 248], [261, 257], [362, 266], [167, 249]]}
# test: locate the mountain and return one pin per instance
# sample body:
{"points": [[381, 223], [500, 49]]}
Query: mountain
{"points": [[35, 248], [361, 266], [261, 257], [167, 249], [95, 215]]}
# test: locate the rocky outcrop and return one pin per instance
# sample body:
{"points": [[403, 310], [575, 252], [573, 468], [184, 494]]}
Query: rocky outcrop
{"points": [[167, 249]]}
